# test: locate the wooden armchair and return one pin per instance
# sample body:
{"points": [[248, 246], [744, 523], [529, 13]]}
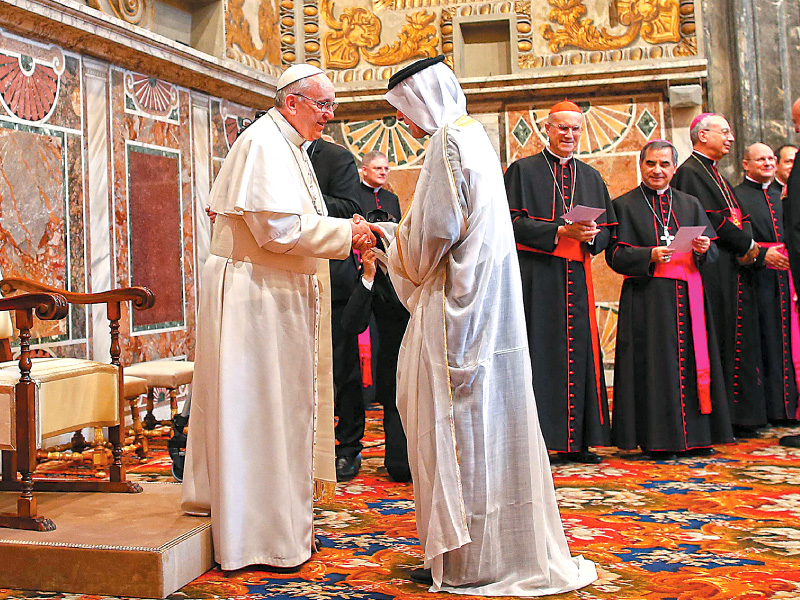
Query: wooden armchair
{"points": [[26, 420]]}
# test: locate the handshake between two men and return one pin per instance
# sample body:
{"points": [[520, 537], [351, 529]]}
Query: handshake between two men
{"points": [[363, 237]]}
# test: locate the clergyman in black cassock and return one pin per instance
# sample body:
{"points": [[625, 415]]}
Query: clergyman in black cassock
{"points": [[372, 196], [731, 300], [791, 228], [657, 401], [568, 379], [377, 296], [337, 175], [770, 284]]}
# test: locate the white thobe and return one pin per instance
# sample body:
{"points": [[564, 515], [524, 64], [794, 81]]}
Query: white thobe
{"points": [[486, 510], [261, 347]]}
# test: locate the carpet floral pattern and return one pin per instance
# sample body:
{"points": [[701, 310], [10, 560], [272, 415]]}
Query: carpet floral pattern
{"points": [[719, 527]]}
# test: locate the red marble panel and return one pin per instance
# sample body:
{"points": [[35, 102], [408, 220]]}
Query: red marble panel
{"points": [[175, 137], [155, 234]]}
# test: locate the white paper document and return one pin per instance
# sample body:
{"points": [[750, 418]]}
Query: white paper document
{"points": [[685, 236], [581, 213]]}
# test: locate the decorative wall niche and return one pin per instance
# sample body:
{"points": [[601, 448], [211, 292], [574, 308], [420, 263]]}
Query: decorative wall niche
{"points": [[485, 45]]}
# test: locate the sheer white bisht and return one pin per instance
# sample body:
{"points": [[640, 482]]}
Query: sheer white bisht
{"points": [[486, 509]]}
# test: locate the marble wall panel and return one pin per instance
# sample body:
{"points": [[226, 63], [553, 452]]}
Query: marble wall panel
{"points": [[166, 131], [156, 244], [41, 192]]}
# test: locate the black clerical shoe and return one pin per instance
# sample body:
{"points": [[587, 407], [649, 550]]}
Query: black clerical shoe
{"points": [[790, 441], [347, 467], [399, 474], [661, 455], [742, 432], [700, 452], [585, 456], [421, 576]]}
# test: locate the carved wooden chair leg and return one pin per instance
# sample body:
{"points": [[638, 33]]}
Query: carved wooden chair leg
{"points": [[99, 452], [26, 516], [138, 435], [150, 421]]}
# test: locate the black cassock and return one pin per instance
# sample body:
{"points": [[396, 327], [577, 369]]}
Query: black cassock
{"points": [[573, 412], [383, 199], [730, 297], [656, 404], [773, 298]]}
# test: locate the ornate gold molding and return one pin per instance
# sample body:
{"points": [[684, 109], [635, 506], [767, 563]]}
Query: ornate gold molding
{"points": [[135, 12], [358, 29], [237, 31], [417, 39], [656, 21]]}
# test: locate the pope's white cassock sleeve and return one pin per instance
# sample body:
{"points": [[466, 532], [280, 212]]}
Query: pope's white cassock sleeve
{"points": [[485, 504], [262, 365]]}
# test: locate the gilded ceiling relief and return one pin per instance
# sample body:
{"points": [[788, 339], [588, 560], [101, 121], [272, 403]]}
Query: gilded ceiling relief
{"points": [[237, 31], [357, 30], [656, 21], [135, 12]]}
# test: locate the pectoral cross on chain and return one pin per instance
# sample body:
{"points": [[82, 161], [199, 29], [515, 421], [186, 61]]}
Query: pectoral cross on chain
{"points": [[667, 237]]}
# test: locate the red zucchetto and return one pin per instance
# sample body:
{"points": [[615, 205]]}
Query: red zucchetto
{"points": [[699, 118], [565, 106]]}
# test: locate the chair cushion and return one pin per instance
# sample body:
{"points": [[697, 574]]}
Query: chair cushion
{"points": [[6, 327], [163, 373], [133, 386], [8, 432], [71, 393]]}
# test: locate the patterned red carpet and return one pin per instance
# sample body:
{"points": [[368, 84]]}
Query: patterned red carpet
{"points": [[722, 527]]}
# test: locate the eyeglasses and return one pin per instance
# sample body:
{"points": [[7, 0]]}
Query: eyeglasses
{"points": [[565, 129], [722, 132], [322, 105]]}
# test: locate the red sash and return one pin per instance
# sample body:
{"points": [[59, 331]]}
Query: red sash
{"points": [[736, 217], [682, 268], [794, 320], [574, 250]]}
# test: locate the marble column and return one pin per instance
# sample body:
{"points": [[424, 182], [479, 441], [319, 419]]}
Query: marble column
{"points": [[101, 250], [201, 181], [753, 48]]}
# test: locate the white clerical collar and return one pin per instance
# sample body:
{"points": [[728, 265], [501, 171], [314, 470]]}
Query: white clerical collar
{"points": [[779, 182], [561, 159], [286, 128], [763, 185], [713, 162], [659, 192]]}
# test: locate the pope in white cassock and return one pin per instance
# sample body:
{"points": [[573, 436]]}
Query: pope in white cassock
{"points": [[485, 504], [261, 424]]}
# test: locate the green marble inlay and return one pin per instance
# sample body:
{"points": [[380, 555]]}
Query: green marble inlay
{"points": [[646, 123], [522, 131]]}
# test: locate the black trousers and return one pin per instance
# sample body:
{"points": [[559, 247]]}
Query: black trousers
{"points": [[391, 328], [349, 400]]}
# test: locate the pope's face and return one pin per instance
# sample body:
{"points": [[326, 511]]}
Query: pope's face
{"points": [[658, 168], [564, 132], [305, 115], [416, 131], [760, 163], [375, 172]]}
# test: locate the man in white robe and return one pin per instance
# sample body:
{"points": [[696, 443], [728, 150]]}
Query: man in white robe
{"points": [[261, 355], [486, 509]]}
